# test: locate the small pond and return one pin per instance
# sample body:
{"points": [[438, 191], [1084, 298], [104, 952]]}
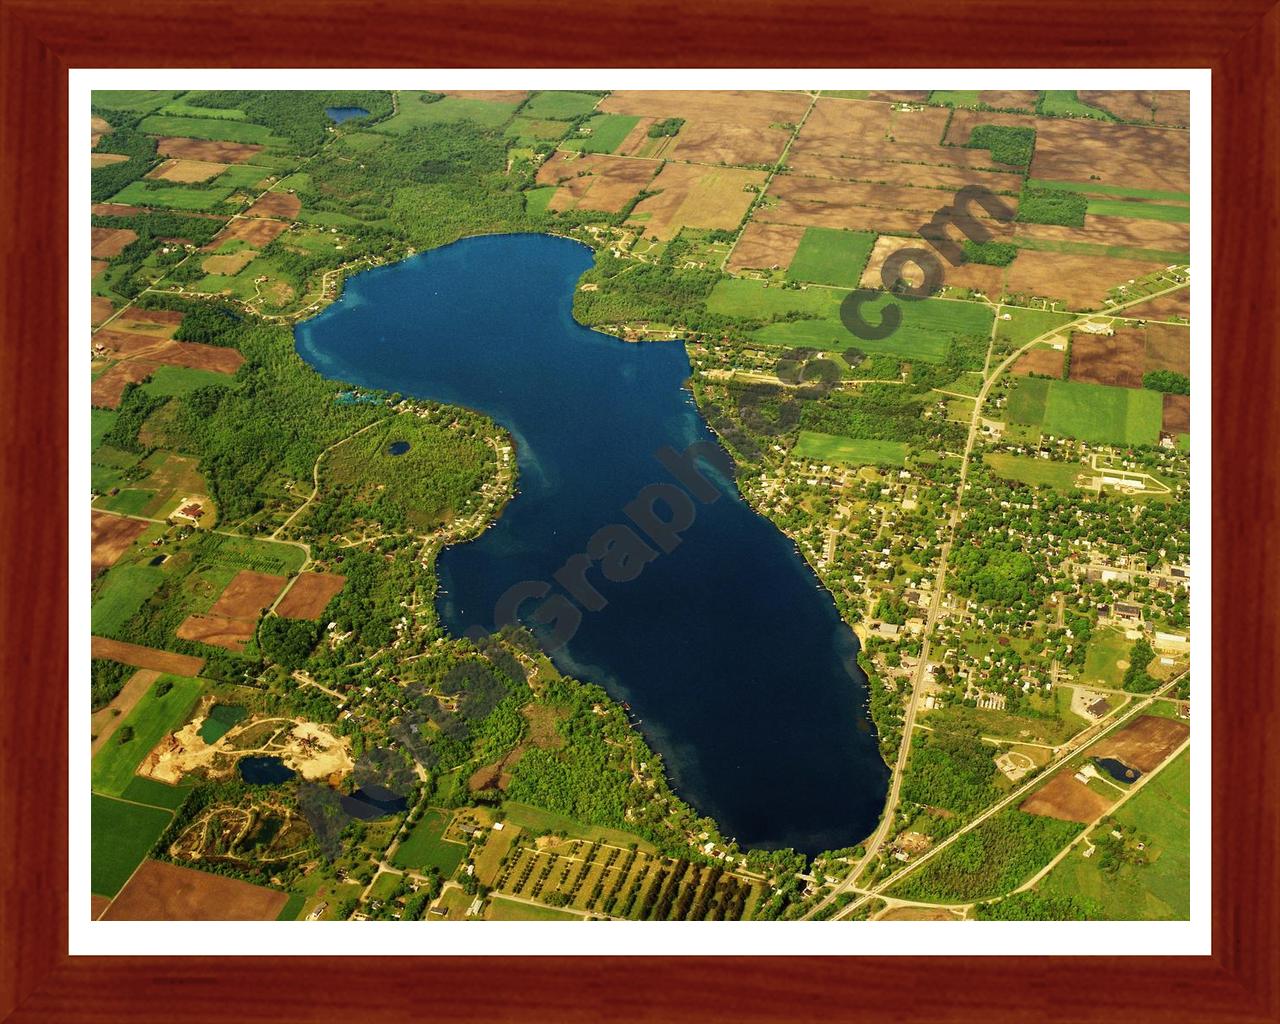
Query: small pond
{"points": [[371, 802], [397, 447], [340, 114], [265, 771], [1118, 770]]}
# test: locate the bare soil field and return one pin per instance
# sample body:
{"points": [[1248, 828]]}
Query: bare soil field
{"points": [[1112, 154], [142, 353], [97, 160], [1169, 348], [96, 267], [1067, 800], [147, 657], [285, 205], [976, 276], [187, 171], [198, 356], [899, 96], [247, 595], [217, 631], [1081, 281], [1158, 106], [834, 215], [114, 210], [112, 536], [99, 126], [918, 914], [229, 264], [1146, 743], [100, 308], [1019, 99], [637, 138], [106, 721], [1162, 307], [764, 246], [595, 181], [1116, 360], [707, 142], [310, 594], [963, 122], [205, 149], [136, 318], [922, 125], [744, 108], [698, 197], [98, 904], [107, 390], [108, 242], [1176, 414], [160, 891], [892, 172], [492, 95], [253, 232], [122, 343], [1136, 232], [1045, 361]]}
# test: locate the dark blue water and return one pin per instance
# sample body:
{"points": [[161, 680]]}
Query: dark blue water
{"points": [[397, 447], [265, 771], [340, 114], [371, 802], [1118, 770], [731, 656]]}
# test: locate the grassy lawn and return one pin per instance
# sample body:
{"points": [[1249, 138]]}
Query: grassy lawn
{"points": [[1025, 324], [607, 132], [1107, 648], [219, 129], [831, 256], [173, 197], [528, 131], [1101, 414], [536, 820], [121, 835], [125, 590], [241, 176], [152, 719], [137, 101], [1065, 103], [1159, 889], [559, 106], [1145, 211], [500, 909], [424, 848], [1061, 476], [536, 199], [181, 108], [851, 451], [1026, 403], [414, 113], [1006, 725], [384, 885], [1097, 188], [180, 380]]}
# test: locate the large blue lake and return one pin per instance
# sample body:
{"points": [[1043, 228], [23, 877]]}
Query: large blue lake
{"points": [[730, 654]]}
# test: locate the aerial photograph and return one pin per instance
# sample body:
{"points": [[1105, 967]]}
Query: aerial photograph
{"points": [[525, 505]]}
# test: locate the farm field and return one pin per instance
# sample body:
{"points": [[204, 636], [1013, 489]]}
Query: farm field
{"points": [[694, 196], [502, 909], [1117, 359], [1144, 743], [1157, 889], [140, 193], [562, 106], [121, 834], [167, 892], [595, 181], [1061, 476], [146, 657], [1064, 798], [414, 113], [153, 718], [310, 594], [1104, 415], [425, 848], [847, 450], [827, 256], [213, 129]]}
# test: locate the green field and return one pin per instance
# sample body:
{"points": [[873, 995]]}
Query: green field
{"points": [[501, 909], [217, 129], [384, 885], [424, 848], [241, 176], [1145, 211], [181, 380], [1065, 103], [954, 98], [121, 835], [607, 133], [151, 720], [124, 590], [1025, 325], [1061, 476], [1096, 187], [136, 101], [1101, 414], [1026, 402], [833, 448], [181, 108], [831, 256], [1158, 890], [247, 553], [925, 331], [100, 421], [130, 501], [1106, 649], [559, 106], [536, 199], [171, 197], [413, 113], [292, 907], [536, 820], [529, 131], [156, 794]]}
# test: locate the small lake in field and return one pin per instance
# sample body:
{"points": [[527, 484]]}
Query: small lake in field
{"points": [[371, 802], [397, 447], [340, 114], [1118, 770], [265, 771], [733, 658]]}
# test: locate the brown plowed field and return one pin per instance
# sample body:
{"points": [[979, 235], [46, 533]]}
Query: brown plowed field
{"points": [[850, 217], [97, 160], [978, 277], [204, 149], [97, 905], [187, 171], [146, 657], [143, 353], [891, 172], [1162, 107], [697, 197], [1021, 100], [107, 389], [608, 184], [1146, 743], [706, 142], [764, 246], [108, 242], [310, 595], [112, 537], [748, 109], [1116, 360], [1169, 348], [96, 267], [1176, 415], [963, 122], [100, 309], [247, 595], [284, 205], [924, 126], [1118, 154], [230, 263], [1135, 232], [253, 232], [1162, 307], [491, 95], [163, 317], [114, 210], [1067, 800], [1081, 281], [99, 126], [218, 631], [159, 891], [107, 720], [898, 96], [1045, 361]]}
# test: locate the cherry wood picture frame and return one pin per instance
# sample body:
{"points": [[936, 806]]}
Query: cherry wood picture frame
{"points": [[39, 41]]}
